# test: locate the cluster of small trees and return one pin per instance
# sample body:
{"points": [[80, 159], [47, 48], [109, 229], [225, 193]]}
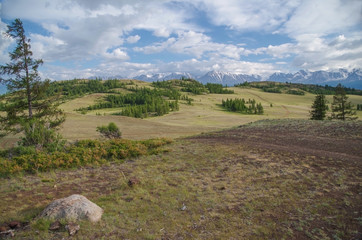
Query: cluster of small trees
{"points": [[79, 87], [342, 109], [193, 86], [218, 88], [242, 106], [157, 108], [143, 102]]}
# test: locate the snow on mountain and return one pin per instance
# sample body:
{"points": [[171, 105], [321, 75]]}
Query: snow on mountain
{"points": [[333, 78], [226, 78], [163, 76], [347, 78], [211, 77]]}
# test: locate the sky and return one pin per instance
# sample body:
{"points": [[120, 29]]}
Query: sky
{"points": [[85, 38]]}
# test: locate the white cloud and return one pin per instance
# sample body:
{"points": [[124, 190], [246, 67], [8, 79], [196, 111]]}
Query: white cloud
{"points": [[5, 43], [322, 34], [195, 44], [326, 54], [324, 17], [133, 39], [117, 54], [94, 27], [245, 15]]}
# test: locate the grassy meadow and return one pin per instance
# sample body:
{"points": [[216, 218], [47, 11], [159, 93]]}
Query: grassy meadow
{"points": [[224, 175], [204, 115]]}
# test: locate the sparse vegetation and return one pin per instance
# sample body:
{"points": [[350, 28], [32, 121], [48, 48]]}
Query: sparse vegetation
{"points": [[228, 185]]}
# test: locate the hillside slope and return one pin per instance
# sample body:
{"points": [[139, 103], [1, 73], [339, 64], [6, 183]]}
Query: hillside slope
{"points": [[272, 179]]}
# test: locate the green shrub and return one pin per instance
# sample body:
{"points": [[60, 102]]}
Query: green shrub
{"points": [[38, 135], [111, 131], [84, 152]]}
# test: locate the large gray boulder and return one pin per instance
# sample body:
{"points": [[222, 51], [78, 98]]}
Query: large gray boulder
{"points": [[74, 207]]}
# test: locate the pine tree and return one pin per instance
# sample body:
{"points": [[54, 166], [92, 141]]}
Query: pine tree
{"points": [[27, 101], [319, 108], [342, 109]]}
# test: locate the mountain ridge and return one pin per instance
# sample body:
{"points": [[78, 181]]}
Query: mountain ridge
{"points": [[347, 78]]}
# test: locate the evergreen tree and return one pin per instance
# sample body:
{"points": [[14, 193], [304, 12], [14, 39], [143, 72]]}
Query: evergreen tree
{"points": [[27, 101], [319, 108], [342, 109]]}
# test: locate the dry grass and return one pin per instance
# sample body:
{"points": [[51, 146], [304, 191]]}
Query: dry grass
{"points": [[203, 116], [213, 186]]}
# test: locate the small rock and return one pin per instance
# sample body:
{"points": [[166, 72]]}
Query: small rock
{"points": [[7, 233], [133, 181], [72, 228], [72, 208], [14, 224], [55, 226], [183, 208]]}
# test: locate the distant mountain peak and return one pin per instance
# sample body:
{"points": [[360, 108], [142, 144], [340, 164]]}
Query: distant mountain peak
{"points": [[347, 78]]}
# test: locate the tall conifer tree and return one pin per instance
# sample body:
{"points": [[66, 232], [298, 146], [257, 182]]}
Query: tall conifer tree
{"points": [[26, 102], [342, 109], [319, 108]]}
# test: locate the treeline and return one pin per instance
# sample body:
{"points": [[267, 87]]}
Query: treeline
{"points": [[296, 88], [242, 106], [155, 108], [192, 86], [143, 102], [78, 87], [273, 87], [218, 89]]}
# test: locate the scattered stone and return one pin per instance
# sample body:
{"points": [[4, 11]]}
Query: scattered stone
{"points": [[72, 228], [133, 181], [7, 233], [74, 207], [183, 208], [55, 226], [14, 224]]}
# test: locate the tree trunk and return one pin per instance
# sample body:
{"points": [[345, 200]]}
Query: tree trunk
{"points": [[28, 90]]}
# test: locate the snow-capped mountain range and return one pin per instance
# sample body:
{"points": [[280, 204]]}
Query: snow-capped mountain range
{"points": [[352, 79], [347, 78]]}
